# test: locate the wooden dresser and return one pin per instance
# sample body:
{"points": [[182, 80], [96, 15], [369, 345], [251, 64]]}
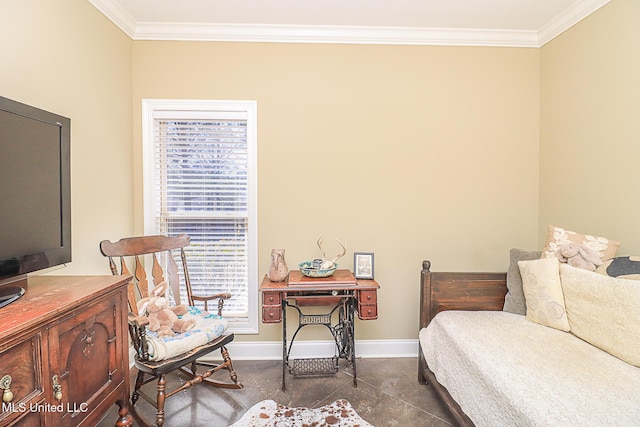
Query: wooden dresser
{"points": [[64, 346]]}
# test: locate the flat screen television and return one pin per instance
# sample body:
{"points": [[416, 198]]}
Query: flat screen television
{"points": [[35, 199]]}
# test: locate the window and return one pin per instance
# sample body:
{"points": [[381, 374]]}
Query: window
{"points": [[200, 178]]}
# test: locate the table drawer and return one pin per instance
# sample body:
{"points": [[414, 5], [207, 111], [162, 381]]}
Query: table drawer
{"points": [[367, 305], [271, 298], [271, 314], [368, 297], [367, 312]]}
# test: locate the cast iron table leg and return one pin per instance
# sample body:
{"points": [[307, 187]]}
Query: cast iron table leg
{"points": [[284, 342], [352, 341]]}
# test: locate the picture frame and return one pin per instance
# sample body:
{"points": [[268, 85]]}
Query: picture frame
{"points": [[363, 265]]}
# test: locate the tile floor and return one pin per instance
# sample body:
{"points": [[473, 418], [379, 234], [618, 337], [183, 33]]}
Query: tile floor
{"points": [[388, 394]]}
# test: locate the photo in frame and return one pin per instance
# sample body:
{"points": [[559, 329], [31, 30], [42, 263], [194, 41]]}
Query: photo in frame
{"points": [[363, 265]]}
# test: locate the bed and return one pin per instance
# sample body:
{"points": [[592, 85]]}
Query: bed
{"points": [[491, 367]]}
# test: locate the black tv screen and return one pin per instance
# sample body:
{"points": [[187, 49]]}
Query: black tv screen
{"points": [[35, 200]]}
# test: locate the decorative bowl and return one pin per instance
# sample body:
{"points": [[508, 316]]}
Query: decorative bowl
{"points": [[307, 269]]}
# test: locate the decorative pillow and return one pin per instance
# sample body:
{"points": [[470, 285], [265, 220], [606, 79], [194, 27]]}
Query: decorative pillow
{"points": [[604, 311], [543, 292], [623, 267], [514, 300], [556, 236]]}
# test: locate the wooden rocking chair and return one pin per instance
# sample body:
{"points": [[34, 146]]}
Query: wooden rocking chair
{"points": [[148, 369]]}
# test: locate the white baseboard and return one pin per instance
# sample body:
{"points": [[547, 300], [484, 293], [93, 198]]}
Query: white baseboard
{"points": [[272, 350]]}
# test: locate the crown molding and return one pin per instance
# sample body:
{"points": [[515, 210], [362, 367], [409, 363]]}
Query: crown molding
{"points": [[334, 34], [568, 19], [345, 34], [117, 14]]}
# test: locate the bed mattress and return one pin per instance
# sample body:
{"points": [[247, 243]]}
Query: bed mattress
{"points": [[504, 370]]}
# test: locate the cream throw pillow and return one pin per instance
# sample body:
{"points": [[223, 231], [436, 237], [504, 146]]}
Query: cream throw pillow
{"points": [[604, 311], [543, 292]]}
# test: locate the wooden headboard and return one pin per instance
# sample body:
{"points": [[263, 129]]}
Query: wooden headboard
{"points": [[455, 291], [459, 291]]}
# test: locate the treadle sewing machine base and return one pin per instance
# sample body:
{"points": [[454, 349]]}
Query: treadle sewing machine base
{"points": [[348, 297], [313, 367], [342, 333]]}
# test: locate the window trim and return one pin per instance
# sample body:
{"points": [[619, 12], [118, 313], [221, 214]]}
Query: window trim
{"points": [[149, 107]]}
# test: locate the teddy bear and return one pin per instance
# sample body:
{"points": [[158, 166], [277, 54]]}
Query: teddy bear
{"points": [[164, 319], [579, 256]]}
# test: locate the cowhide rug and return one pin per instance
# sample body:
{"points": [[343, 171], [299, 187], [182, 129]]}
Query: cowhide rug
{"points": [[271, 414]]}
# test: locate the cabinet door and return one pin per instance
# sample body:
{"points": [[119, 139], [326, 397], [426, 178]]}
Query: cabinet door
{"points": [[32, 416], [86, 360], [22, 362]]}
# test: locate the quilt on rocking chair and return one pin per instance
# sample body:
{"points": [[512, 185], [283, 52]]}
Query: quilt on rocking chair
{"points": [[207, 328]]}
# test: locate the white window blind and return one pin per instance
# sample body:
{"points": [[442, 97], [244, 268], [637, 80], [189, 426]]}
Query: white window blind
{"points": [[201, 182]]}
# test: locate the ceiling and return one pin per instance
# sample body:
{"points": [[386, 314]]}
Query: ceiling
{"points": [[520, 23]]}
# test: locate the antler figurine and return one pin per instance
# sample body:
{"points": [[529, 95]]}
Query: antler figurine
{"points": [[326, 264]]}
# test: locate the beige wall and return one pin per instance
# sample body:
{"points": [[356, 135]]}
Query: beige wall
{"points": [[448, 153], [590, 126], [66, 57], [409, 152], [413, 152]]}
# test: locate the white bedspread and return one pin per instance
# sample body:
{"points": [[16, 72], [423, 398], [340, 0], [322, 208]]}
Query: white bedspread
{"points": [[504, 370]]}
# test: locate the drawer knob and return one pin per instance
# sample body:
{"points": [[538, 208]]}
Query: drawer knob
{"points": [[5, 385], [57, 388]]}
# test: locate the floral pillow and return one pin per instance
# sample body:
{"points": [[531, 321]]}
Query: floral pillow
{"points": [[557, 236]]}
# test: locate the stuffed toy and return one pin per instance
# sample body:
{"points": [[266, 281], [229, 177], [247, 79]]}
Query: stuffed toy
{"points": [[579, 256], [164, 319]]}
